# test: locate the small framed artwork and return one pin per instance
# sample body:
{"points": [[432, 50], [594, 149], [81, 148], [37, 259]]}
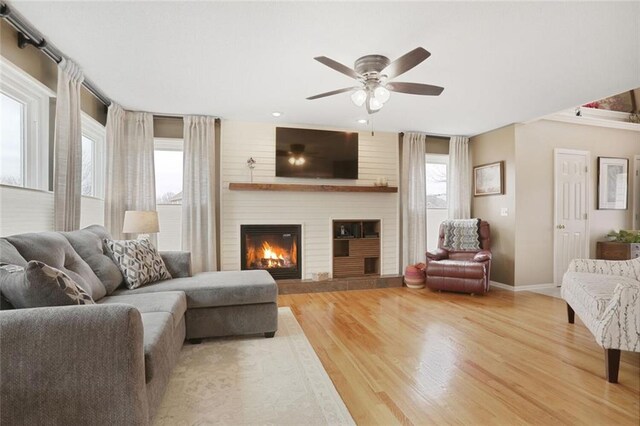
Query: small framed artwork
{"points": [[488, 179], [613, 183]]}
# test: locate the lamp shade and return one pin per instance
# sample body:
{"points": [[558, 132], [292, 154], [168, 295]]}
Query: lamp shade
{"points": [[140, 222]]}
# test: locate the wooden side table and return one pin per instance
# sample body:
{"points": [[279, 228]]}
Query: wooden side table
{"points": [[609, 250]]}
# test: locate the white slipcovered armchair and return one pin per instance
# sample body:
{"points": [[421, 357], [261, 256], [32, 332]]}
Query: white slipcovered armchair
{"points": [[606, 296]]}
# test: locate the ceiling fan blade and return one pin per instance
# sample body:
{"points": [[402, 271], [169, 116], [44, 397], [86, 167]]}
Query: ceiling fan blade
{"points": [[338, 67], [415, 88], [405, 62], [333, 92]]}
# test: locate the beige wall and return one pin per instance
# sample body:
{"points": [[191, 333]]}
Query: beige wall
{"points": [[168, 127], [498, 145], [43, 69], [436, 145], [535, 143]]}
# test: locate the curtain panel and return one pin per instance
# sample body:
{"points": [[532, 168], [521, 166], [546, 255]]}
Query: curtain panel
{"points": [[414, 198], [130, 180], [198, 192], [67, 160], [459, 178]]}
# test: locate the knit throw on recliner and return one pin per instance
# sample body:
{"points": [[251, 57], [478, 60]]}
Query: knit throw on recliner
{"points": [[461, 234]]}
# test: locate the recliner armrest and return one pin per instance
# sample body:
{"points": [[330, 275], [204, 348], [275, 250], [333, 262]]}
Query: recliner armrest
{"points": [[439, 254], [482, 256]]}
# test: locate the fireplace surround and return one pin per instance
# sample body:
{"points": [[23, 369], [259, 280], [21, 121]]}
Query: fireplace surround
{"points": [[274, 248]]}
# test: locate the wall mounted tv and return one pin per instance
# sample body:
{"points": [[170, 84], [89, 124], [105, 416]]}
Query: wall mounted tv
{"points": [[319, 154]]}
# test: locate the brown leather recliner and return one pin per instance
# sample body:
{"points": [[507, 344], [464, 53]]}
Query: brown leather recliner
{"points": [[460, 271]]}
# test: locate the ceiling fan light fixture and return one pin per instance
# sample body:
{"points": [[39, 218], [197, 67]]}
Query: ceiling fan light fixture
{"points": [[381, 94], [374, 103], [359, 97]]}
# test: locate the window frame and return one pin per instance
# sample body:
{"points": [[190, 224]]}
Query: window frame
{"points": [[438, 159], [36, 98], [168, 144], [95, 131]]}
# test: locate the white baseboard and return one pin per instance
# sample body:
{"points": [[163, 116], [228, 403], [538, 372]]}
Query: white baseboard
{"points": [[522, 287]]}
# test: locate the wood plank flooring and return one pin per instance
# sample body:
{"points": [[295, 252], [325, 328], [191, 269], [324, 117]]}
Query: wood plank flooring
{"points": [[402, 356]]}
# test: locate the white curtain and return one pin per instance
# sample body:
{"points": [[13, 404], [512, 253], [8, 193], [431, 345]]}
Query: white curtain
{"points": [[198, 192], [67, 162], [414, 198], [130, 181], [459, 191]]}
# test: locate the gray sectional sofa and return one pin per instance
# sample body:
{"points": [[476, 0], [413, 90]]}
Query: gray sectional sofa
{"points": [[109, 363]]}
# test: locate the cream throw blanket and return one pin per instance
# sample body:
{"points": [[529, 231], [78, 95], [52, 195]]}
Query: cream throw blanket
{"points": [[461, 234]]}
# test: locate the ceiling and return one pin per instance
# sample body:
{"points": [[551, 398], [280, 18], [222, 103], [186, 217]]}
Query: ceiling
{"points": [[500, 63]]}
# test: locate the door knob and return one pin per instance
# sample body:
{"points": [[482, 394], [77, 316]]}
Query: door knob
{"points": [[560, 226]]}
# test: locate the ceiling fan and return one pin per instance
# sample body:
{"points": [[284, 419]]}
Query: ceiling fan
{"points": [[373, 72]]}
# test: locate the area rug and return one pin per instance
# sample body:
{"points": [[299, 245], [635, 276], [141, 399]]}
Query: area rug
{"points": [[253, 381]]}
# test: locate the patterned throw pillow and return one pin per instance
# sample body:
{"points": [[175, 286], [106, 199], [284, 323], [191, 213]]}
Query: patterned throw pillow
{"points": [[38, 285], [138, 260]]}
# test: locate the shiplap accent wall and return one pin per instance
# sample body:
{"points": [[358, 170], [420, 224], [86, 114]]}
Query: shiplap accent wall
{"points": [[91, 212], [25, 210], [170, 220], [378, 157], [31, 210]]}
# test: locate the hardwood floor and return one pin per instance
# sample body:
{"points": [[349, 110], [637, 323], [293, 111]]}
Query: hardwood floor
{"points": [[401, 356]]}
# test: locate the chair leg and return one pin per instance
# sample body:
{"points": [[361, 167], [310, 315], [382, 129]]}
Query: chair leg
{"points": [[571, 315], [612, 364]]}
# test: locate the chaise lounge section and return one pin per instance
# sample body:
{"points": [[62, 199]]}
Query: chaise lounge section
{"points": [[109, 363]]}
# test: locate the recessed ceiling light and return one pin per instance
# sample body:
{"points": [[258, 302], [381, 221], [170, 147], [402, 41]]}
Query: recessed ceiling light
{"points": [[276, 114], [363, 121]]}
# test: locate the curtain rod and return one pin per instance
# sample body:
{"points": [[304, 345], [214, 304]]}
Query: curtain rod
{"points": [[27, 34]]}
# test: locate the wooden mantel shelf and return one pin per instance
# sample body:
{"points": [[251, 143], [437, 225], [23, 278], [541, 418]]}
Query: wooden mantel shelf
{"points": [[241, 186]]}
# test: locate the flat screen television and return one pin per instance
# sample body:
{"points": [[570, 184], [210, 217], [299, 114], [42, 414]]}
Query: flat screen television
{"points": [[318, 154]]}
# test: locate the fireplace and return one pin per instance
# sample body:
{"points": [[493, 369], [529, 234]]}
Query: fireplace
{"points": [[274, 248]]}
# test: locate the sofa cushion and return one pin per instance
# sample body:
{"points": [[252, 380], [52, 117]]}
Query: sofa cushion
{"points": [[157, 340], [38, 285], [88, 244], [138, 260], [9, 254], [210, 289], [590, 292], [171, 302], [53, 249]]}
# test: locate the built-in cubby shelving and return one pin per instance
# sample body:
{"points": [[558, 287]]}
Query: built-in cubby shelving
{"points": [[356, 248]]}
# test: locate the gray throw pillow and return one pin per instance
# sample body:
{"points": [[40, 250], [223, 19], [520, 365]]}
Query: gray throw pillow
{"points": [[138, 260], [38, 285]]}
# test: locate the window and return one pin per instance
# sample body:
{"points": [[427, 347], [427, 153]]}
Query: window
{"points": [[24, 129], [168, 169], [93, 157], [436, 174], [87, 166], [12, 117]]}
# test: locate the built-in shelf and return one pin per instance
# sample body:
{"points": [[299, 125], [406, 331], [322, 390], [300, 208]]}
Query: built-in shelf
{"points": [[242, 186], [357, 256]]}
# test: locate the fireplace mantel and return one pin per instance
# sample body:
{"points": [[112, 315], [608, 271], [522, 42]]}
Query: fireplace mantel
{"points": [[294, 187]]}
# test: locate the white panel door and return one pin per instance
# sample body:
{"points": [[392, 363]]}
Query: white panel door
{"points": [[636, 194], [571, 228]]}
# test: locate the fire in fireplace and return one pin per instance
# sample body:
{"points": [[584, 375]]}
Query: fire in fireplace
{"points": [[275, 248]]}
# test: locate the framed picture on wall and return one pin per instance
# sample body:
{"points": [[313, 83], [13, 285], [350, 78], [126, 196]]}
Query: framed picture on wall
{"points": [[613, 183], [488, 179]]}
